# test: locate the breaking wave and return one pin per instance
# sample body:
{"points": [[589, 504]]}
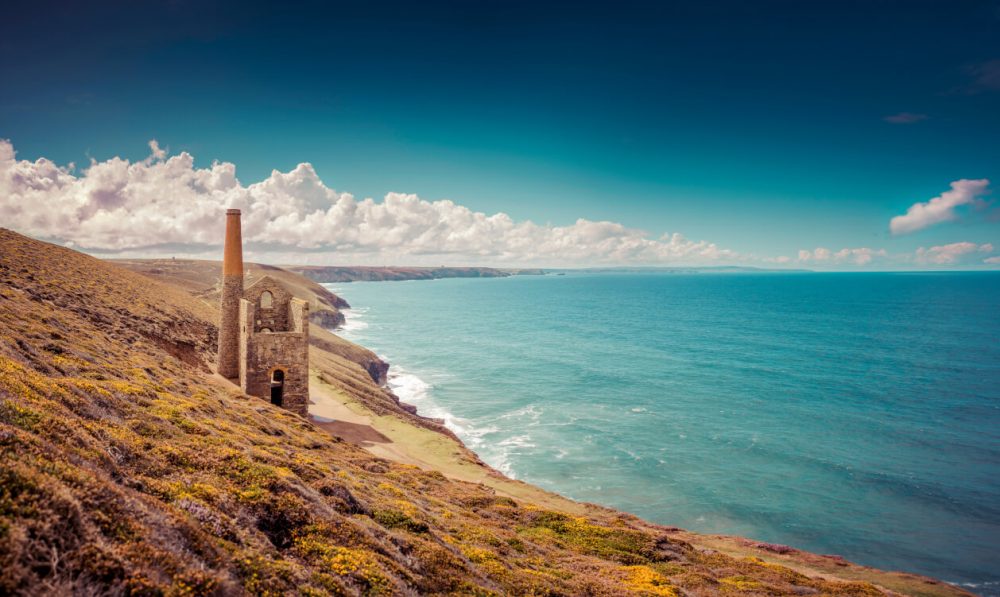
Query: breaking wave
{"points": [[354, 319], [487, 440]]}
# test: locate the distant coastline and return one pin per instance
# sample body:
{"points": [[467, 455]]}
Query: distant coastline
{"points": [[655, 269], [327, 274]]}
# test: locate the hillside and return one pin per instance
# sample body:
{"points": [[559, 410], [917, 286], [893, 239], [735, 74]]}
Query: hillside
{"points": [[128, 467], [202, 278]]}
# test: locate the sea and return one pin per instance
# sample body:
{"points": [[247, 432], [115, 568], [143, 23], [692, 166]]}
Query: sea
{"points": [[855, 414]]}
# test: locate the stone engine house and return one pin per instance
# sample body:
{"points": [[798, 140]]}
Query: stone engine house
{"points": [[264, 332]]}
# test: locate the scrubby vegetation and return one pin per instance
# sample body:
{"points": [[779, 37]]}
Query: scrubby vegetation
{"points": [[128, 469]]}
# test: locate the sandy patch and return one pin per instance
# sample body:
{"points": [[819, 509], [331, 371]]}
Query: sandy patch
{"points": [[363, 435]]}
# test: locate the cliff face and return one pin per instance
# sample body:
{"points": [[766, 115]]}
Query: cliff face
{"points": [[128, 467]]}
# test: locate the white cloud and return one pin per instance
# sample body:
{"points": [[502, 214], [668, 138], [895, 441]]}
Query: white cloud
{"points": [[858, 256], [164, 204], [954, 253], [940, 208], [950, 254], [156, 153]]}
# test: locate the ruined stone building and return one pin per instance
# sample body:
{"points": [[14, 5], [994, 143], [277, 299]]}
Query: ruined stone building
{"points": [[264, 332]]}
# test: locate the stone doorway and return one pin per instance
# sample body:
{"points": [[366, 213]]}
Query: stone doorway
{"points": [[277, 387]]}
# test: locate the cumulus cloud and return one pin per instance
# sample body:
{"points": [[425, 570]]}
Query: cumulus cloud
{"points": [[905, 118], [163, 203], [940, 208], [950, 254], [858, 256], [964, 253]]}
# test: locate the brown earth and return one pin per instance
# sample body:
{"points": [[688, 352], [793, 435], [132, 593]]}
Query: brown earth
{"points": [[129, 467], [355, 433]]}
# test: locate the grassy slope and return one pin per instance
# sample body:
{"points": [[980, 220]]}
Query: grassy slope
{"points": [[128, 467]]}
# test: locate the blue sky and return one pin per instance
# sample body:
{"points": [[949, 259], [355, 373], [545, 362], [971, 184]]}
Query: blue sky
{"points": [[761, 127]]}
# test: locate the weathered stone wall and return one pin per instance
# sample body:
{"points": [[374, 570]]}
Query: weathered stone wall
{"points": [[261, 353], [246, 315], [298, 316], [275, 318], [255, 338], [288, 351]]}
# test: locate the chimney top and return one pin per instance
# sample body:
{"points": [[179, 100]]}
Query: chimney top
{"points": [[232, 212]]}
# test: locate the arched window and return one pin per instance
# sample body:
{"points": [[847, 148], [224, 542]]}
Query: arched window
{"points": [[265, 330], [266, 299]]}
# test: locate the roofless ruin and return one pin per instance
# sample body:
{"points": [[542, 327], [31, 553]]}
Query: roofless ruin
{"points": [[264, 332]]}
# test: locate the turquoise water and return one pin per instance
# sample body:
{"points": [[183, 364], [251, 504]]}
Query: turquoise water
{"points": [[853, 414]]}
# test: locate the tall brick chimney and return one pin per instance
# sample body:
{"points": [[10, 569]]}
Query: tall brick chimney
{"points": [[232, 292]]}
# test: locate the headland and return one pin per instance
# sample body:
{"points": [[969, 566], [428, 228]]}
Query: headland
{"points": [[130, 466]]}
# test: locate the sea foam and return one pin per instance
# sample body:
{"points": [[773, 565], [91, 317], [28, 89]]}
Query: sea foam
{"points": [[413, 389], [354, 319]]}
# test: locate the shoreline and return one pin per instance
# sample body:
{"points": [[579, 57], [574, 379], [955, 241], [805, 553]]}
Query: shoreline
{"points": [[415, 394], [390, 438]]}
